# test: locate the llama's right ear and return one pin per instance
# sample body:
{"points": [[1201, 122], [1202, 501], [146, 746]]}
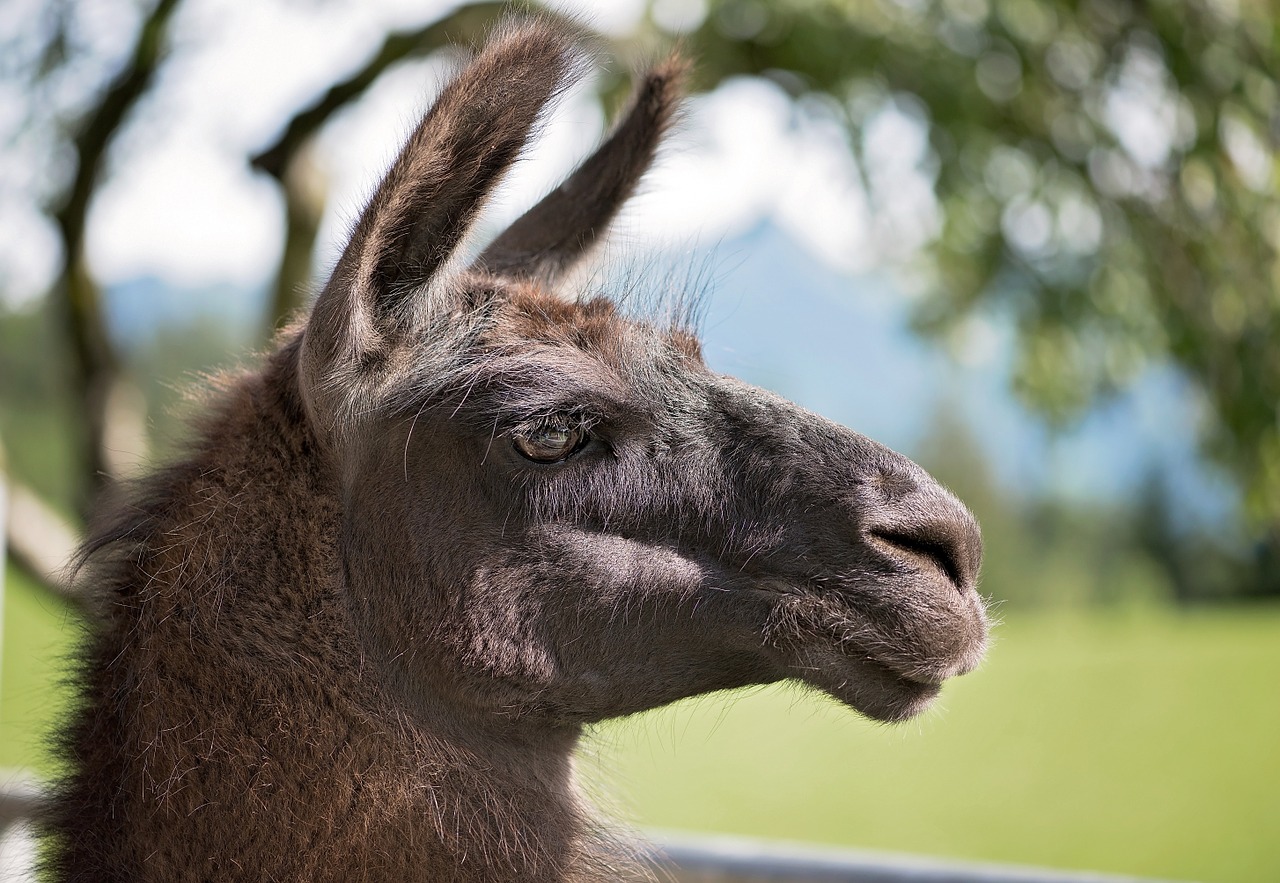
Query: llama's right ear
{"points": [[431, 194], [548, 238]]}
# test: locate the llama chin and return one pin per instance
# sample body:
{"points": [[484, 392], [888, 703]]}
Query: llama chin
{"points": [[356, 630]]}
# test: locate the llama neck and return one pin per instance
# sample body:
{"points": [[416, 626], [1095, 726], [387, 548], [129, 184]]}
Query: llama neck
{"points": [[232, 725]]}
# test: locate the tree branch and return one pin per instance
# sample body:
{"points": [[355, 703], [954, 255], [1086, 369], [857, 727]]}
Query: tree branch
{"points": [[303, 205], [20, 800], [41, 542], [94, 359]]}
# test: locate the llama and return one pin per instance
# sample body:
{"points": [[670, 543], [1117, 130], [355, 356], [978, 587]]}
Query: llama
{"points": [[455, 517]]}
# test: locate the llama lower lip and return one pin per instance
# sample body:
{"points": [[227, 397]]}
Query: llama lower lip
{"points": [[921, 645], [864, 684]]}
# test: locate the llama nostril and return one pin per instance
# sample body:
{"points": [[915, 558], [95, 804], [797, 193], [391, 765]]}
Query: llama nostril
{"points": [[936, 549], [937, 545], [926, 525]]}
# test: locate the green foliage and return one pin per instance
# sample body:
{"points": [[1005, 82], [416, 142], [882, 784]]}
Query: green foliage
{"points": [[1140, 744], [1105, 171], [40, 420]]}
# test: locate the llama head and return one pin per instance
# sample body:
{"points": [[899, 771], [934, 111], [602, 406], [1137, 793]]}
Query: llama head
{"points": [[552, 512]]}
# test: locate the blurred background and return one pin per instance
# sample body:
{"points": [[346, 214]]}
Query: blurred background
{"points": [[1031, 243]]}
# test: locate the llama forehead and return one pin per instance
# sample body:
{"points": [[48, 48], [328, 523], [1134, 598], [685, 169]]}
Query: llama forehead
{"points": [[532, 315], [591, 345]]}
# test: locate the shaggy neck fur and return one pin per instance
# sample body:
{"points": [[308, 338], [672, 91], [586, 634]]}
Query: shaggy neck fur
{"points": [[276, 752]]}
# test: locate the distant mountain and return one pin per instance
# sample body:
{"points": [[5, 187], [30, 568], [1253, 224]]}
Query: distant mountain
{"points": [[137, 309]]}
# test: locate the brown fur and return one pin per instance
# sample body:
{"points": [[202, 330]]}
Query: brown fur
{"points": [[355, 633]]}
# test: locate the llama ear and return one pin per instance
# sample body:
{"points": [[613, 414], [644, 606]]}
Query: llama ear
{"points": [[431, 194], [551, 236]]}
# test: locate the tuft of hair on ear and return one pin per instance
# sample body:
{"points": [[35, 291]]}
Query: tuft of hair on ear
{"points": [[668, 288], [555, 233]]}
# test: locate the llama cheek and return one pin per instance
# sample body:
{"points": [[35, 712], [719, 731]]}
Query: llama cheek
{"points": [[505, 647], [521, 663]]}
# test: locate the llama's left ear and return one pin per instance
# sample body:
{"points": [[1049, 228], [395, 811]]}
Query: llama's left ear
{"points": [[548, 238], [429, 197]]}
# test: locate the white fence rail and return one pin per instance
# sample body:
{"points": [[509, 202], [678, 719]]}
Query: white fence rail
{"points": [[740, 860]]}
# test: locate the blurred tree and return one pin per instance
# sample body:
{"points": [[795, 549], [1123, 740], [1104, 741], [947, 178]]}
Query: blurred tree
{"points": [[82, 137], [1104, 171], [1044, 553], [81, 116]]}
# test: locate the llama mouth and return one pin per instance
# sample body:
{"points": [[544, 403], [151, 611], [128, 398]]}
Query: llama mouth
{"points": [[888, 662], [865, 684]]}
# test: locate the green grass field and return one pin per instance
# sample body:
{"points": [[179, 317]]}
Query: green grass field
{"points": [[1146, 743], [38, 634]]}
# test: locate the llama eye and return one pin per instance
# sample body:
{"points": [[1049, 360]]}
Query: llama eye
{"points": [[548, 443]]}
